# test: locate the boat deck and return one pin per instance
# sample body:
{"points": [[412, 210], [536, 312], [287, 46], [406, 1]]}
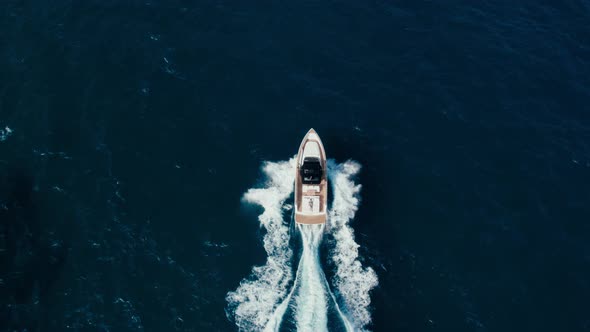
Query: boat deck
{"points": [[311, 199], [305, 217], [311, 219]]}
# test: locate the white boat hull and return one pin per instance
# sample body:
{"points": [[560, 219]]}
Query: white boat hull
{"points": [[311, 181]]}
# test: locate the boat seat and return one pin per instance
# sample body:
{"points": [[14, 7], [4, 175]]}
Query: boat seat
{"points": [[312, 188]]}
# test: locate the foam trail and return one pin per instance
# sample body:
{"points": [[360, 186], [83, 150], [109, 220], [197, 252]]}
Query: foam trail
{"points": [[255, 300], [256, 305], [311, 287], [275, 321], [343, 317], [5, 133], [353, 282], [311, 301]]}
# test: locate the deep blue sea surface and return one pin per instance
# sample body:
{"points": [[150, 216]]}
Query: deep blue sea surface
{"points": [[130, 131]]}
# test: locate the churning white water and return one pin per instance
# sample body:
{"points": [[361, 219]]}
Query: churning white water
{"points": [[255, 300], [352, 281], [311, 302], [261, 301]]}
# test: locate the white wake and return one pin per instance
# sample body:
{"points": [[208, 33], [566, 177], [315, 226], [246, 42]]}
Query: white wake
{"points": [[5, 133], [255, 300], [261, 301], [352, 281], [311, 302]]}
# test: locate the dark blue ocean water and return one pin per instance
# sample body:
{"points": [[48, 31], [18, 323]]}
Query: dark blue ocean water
{"points": [[129, 131]]}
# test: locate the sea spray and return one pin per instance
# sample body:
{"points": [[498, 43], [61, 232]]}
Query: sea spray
{"points": [[5, 133], [311, 302], [254, 301], [353, 282], [311, 288], [261, 301]]}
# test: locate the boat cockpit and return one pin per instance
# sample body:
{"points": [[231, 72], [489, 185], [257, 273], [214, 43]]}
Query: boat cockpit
{"points": [[311, 171]]}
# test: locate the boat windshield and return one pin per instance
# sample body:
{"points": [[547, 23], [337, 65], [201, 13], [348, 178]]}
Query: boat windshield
{"points": [[311, 171]]}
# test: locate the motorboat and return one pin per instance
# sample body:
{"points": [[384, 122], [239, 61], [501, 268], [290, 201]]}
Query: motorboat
{"points": [[311, 181]]}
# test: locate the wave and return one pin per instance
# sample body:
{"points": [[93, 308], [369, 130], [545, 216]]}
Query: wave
{"points": [[5, 133], [353, 282], [262, 300], [311, 302], [255, 300]]}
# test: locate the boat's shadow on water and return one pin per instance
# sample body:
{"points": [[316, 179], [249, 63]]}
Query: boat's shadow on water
{"points": [[33, 250]]}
